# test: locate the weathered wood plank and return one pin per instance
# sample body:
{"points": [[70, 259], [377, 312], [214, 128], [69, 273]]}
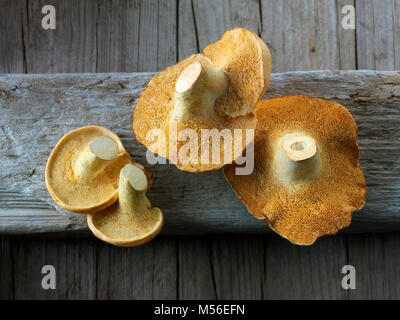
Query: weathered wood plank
{"points": [[12, 48], [295, 272], [376, 36], [195, 268], [187, 30], [145, 272], [213, 18], [6, 270], [238, 266], [38, 101], [396, 33], [157, 35], [299, 34], [346, 39], [73, 259], [118, 36], [69, 48], [376, 259]]}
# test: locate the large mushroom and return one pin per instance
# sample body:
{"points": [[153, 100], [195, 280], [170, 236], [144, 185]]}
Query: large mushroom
{"points": [[306, 180], [215, 91], [83, 169], [131, 221]]}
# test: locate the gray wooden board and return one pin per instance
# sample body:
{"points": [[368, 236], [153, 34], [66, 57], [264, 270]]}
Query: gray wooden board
{"points": [[6, 269], [196, 278], [74, 261], [36, 110], [376, 259], [238, 266], [296, 272], [145, 272]]}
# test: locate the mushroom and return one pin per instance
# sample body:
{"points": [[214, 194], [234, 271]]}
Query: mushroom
{"points": [[215, 91], [131, 221], [83, 169], [306, 180]]}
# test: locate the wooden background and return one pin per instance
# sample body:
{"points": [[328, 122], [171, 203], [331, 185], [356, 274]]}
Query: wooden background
{"points": [[127, 36]]}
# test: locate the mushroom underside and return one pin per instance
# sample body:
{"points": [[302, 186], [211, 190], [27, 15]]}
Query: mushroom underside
{"points": [[204, 92], [306, 180], [82, 170]]}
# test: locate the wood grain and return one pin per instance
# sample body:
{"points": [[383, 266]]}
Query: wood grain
{"points": [[376, 259], [12, 51], [238, 266], [118, 36], [376, 36], [145, 272], [213, 18], [6, 269], [295, 272], [297, 33], [196, 278], [38, 101], [69, 48], [73, 260]]}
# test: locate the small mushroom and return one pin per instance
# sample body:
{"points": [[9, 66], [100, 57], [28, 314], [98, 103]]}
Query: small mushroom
{"points": [[214, 90], [306, 180], [83, 169], [131, 221]]}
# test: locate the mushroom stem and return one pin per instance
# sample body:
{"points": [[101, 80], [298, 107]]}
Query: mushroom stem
{"points": [[198, 87], [299, 147], [296, 158], [94, 157], [133, 186]]}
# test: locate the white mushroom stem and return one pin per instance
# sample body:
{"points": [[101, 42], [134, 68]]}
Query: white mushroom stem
{"points": [[299, 147], [296, 158], [95, 157], [198, 87], [133, 186]]}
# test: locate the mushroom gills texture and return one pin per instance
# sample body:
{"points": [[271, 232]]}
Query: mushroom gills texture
{"points": [[197, 89], [296, 158], [95, 157]]}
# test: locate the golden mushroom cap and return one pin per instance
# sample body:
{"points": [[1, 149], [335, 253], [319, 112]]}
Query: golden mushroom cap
{"points": [[97, 190], [243, 60], [302, 196]]}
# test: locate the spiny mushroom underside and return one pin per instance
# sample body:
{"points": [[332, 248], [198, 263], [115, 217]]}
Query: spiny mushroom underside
{"points": [[217, 90], [83, 169], [306, 180], [165, 135], [204, 148], [131, 221]]}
